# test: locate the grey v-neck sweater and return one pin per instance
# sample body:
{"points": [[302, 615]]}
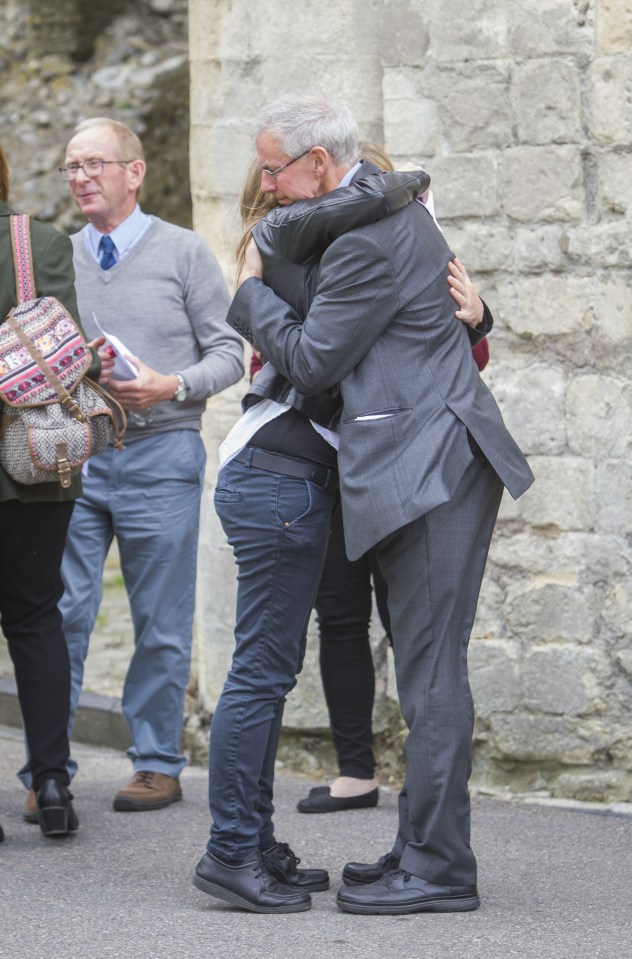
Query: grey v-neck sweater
{"points": [[166, 299]]}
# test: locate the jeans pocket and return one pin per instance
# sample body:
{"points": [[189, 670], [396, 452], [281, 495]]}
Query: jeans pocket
{"points": [[224, 494], [293, 502]]}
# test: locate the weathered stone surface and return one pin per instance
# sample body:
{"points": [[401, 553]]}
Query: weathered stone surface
{"points": [[614, 26], [546, 100], [484, 247], [403, 34], [608, 560], [477, 113], [598, 785], [541, 28], [532, 403], [564, 553], [464, 185], [494, 677], [614, 182], [610, 108], [537, 250], [618, 611], [541, 738], [613, 306], [123, 60], [547, 305], [599, 412], [543, 183], [602, 245], [478, 30], [552, 608], [411, 127], [562, 496], [613, 487], [563, 681]]}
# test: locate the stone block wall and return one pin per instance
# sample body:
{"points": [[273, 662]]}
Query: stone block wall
{"points": [[522, 114]]}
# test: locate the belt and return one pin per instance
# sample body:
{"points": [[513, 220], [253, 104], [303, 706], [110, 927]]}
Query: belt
{"points": [[287, 466]]}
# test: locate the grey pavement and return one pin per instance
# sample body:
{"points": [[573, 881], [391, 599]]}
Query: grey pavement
{"points": [[555, 883]]}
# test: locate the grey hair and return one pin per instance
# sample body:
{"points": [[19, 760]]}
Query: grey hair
{"points": [[130, 147], [302, 121]]}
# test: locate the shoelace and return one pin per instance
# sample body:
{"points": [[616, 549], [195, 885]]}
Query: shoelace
{"points": [[283, 851], [391, 877], [145, 777], [281, 857]]}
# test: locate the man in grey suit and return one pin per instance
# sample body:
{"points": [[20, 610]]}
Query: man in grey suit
{"points": [[424, 455]]}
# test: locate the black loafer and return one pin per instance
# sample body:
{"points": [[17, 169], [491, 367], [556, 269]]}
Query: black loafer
{"points": [[320, 800], [54, 809], [249, 885], [282, 863], [399, 893], [361, 873]]}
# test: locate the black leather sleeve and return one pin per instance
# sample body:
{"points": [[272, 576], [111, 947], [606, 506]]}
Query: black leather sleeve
{"points": [[304, 230]]}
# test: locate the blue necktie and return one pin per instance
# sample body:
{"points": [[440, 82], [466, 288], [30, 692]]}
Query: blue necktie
{"points": [[107, 253]]}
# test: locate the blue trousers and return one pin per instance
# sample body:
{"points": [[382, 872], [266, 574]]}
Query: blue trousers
{"points": [[278, 527], [148, 496]]}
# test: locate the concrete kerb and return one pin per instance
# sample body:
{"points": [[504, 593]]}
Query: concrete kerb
{"points": [[100, 720]]}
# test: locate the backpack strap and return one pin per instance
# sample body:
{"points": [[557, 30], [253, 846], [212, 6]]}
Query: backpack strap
{"points": [[20, 229]]}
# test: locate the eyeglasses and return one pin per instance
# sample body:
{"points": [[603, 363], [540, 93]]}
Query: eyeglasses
{"points": [[91, 168], [274, 173]]}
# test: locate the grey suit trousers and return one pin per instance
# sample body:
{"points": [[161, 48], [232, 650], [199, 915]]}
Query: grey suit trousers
{"points": [[434, 567]]}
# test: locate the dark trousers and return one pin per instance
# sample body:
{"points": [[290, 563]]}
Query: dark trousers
{"points": [[278, 527], [32, 540], [343, 607], [434, 568]]}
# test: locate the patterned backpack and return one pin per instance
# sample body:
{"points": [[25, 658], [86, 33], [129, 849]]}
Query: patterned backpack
{"points": [[54, 417]]}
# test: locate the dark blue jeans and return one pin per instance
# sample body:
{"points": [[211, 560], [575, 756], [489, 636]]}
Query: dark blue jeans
{"points": [[278, 527]]}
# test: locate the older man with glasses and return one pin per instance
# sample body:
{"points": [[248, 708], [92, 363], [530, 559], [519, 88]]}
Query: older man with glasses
{"points": [[159, 290]]}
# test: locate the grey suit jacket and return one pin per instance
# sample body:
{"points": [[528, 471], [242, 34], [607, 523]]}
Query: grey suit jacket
{"points": [[381, 325]]}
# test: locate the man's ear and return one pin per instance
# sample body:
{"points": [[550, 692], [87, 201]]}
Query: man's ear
{"points": [[320, 158], [136, 173]]}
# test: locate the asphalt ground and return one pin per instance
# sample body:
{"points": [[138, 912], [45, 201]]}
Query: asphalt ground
{"points": [[555, 883]]}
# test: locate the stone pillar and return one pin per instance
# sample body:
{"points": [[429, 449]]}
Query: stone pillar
{"points": [[237, 66]]}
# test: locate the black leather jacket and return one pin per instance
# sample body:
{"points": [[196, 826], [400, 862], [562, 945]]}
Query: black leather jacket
{"points": [[291, 241]]}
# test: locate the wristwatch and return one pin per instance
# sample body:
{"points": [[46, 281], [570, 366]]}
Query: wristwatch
{"points": [[182, 391]]}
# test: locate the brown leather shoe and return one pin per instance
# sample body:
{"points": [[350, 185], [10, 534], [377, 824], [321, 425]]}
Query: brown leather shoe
{"points": [[29, 810], [146, 791]]}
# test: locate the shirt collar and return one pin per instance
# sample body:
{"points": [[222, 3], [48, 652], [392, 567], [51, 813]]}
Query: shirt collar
{"points": [[123, 236], [347, 178]]}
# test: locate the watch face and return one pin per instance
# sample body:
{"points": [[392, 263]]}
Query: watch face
{"points": [[181, 392]]}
